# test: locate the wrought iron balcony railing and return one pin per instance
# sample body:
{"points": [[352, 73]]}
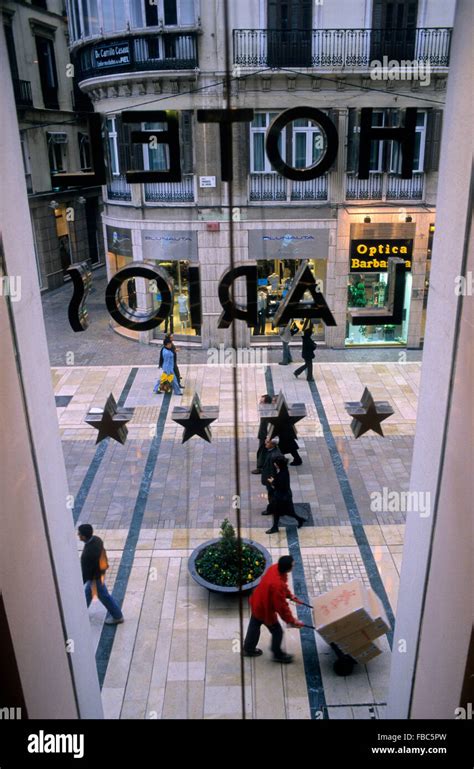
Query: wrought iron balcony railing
{"points": [[22, 91], [381, 186], [340, 48], [170, 192], [118, 189], [273, 187], [164, 51]]}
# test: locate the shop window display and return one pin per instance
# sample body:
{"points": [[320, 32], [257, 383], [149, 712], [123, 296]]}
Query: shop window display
{"points": [[180, 320], [371, 290], [275, 277]]}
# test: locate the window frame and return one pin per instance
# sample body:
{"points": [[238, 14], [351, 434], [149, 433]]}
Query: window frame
{"points": [[52, 145], [113, 135], [258, 130], [395, 156], [309, 130], [84, 151], [75, 11]]}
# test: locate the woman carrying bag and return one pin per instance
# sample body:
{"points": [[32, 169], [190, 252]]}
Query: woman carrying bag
{"points": [[282, 500], [168, 380]]}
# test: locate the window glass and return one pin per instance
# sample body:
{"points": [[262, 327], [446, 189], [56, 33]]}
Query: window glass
{"points": [[114, 16], [156, 158], [170, 12], [136, 13], [370, 290], [186, 12]]}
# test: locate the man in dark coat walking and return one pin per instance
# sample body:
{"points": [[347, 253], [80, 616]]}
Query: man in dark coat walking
{"points": [[282, 500], [93, 573], [307, 353], [268, 600], [270, 453], [262, 435]]}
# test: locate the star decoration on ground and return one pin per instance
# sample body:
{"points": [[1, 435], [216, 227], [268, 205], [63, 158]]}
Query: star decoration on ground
{"points": [[368, 414], [195, 419], [281, 418], [110, 422]]}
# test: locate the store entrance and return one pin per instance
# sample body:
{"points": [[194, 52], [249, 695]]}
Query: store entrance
{"points": [[179, 321], [275, 278]]}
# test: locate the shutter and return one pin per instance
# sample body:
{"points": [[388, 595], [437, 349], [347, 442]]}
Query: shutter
{"points": [[187, 141], [353, 138], [242, 132], [377, 13], [123, 144], [272, 20], [433, 140]]}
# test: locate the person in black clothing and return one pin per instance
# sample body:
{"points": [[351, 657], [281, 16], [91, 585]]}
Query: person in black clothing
{"points": [[289, 445], [262, 435], [307, 353], [281, 502], [93, 572], [177, 373], [269, 454]]}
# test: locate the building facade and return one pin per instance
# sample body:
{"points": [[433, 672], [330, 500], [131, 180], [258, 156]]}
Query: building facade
{"points": [[54, 138], [171, 56]]}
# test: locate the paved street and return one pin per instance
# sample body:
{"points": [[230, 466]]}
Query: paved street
{"points": [[154, 499]]}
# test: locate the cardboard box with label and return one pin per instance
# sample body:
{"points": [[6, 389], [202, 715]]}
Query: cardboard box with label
{"points": [[378, 626], [342, 611]]}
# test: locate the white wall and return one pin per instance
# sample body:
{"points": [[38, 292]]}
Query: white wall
{"points": [[39, 569], [435, 610]]}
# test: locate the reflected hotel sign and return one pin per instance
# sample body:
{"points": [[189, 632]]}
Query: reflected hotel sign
{"points": [[372, 255], [112, 55]]}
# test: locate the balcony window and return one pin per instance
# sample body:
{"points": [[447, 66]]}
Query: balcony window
{"points": [[155, 155], [420, 142], [57, 148], [114, 16], [259, 163], [84, 151], [47, 71], [26, 160], [113, 146], [308, 143]]}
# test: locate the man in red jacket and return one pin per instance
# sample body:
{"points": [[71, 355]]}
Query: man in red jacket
{"points": [[269, 599]]}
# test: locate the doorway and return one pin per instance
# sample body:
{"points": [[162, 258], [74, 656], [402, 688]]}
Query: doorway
{"points": [[289, 33], [394, 29]]}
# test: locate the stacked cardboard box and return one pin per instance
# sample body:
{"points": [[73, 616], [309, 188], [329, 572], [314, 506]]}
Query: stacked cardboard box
{"points": [[352, 616]]}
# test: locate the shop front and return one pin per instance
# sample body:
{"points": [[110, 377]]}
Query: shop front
{"points": [[368, 286], [278, 254], [175, 251]]}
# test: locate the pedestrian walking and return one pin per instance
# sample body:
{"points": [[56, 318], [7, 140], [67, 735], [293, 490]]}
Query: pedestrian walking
{"points": [[175, 351], [270, 453], [268, 600], [285, 336], [307, 353], [94, 565], [262, 435], [288, 444], [281, 502], [168, 380]]}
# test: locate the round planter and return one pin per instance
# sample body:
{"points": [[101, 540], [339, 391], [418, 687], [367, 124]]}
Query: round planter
{"points": [[223, 588]]}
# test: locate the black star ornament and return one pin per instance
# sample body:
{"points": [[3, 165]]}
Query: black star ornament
{"points": [[195, 419], [110, 422], [368, 414], [281, 418]]}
